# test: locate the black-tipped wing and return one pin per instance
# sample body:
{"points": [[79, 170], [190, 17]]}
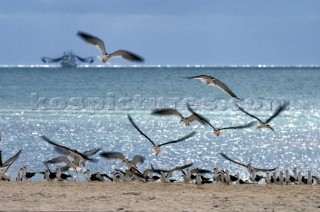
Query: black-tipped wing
{"points": [[203, 78], [166, 112], [95, 41], [179, 140], [198, 117], [127, 55], [91, 152], [278, 111], [252, 116], [200, 171], [64, 150], [240, 126], [60, 159], [10, 161], [85, 60], [113, 155], [178, 168], [264, 170], [227, 158], [224, 88], [136, 172], [137, 128], [157, 170]]}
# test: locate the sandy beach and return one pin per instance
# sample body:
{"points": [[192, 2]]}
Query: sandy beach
{"points": [[102, 196]]}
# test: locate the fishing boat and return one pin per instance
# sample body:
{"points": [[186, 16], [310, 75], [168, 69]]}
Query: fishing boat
{"points": [[68, 60]]}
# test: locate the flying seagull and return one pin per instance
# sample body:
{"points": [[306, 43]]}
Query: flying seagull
{"points": [[155, 146], [166, 178], [79, 158], [186, 120], [106, 56], [217, 131], [208, 80], [265, 124], [8, 163], [137, 159], [248, 166]]}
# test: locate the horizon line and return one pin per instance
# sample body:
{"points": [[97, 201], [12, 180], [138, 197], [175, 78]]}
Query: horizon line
{"points": [[163, 66]]}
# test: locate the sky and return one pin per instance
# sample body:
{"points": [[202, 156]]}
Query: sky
{"points": [[166, 32]]}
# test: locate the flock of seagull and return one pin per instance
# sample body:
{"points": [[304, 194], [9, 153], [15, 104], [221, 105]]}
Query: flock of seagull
{"points": [[74, 160]]}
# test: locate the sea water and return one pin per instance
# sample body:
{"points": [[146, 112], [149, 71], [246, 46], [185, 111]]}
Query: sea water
{"points": [[86, 108]]}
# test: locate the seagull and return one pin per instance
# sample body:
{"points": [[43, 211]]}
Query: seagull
{"points": [[62, 176], [166, 178], [106, 56], [190, 175], [228, 178], [217, 131], [125, 176], [93, 177], [25, 175], [289, 178], [79, 158], [310, 178], [269, 179], [209, 80], [254, 177], [49, 175], [137, 159], [96, 176], [199, 181], [69, 165], [186, 120], [265, 124], [4, 167], [153, 178], [157, 147], [248, 166]]}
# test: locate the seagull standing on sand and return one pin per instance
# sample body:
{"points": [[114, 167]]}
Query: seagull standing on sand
{"points": [[265, 124], [155, 146], [106, 56], [208, 80], [199, 181], [269, 179]]}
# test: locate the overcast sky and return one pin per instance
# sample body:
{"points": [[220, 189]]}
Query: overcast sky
{"points": [[174, 32]]}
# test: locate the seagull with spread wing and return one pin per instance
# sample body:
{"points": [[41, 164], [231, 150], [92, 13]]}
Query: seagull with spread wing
{"points": [[217, 131], [78, 157], [156, 147], [95, 41], [186, 120], [137, 159], [248, 166], [265, 124], [209, 80], [8, 163], [166, 178]]}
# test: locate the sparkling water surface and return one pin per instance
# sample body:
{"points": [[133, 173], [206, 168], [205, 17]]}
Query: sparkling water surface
{"points": [[86, 108]]}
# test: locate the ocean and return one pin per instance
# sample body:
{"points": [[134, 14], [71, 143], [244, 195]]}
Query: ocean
{"points": [[86, 108]]}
